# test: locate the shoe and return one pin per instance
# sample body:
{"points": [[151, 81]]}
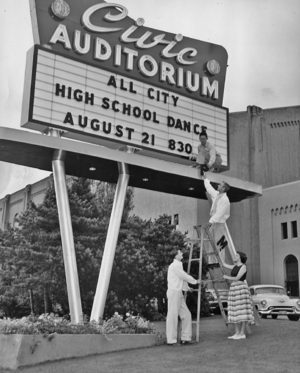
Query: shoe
{"points": [[239, 336], [184, 343], [232, 336], [173, 344]]}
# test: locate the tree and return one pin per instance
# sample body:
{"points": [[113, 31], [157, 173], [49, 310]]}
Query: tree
{"points": [[86, 223], [12, 302], [32, 272], [145, 250], [38, 266]]}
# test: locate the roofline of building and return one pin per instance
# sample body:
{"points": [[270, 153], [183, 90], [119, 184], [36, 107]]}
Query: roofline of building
{"points": [[282, 185], [267, 109]]}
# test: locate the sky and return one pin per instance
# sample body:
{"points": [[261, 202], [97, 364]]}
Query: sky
{"points": [[262, 39]]}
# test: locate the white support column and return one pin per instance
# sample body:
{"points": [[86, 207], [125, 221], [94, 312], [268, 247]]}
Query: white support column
{"points": [[64, 214], [110, 244]]}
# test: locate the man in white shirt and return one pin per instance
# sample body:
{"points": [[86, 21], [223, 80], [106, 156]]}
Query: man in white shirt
{"points": [[220, 209], [178, 281]]}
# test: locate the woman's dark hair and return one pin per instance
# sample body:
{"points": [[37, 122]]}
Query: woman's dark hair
{"points": [[203, 133], [243, 257]]}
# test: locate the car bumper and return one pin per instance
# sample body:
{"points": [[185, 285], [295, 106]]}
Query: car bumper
{"points": [[214, 307], [279, 311]]}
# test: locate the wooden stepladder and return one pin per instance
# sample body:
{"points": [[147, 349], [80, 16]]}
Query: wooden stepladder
{"points": [[194, 244], [207, 248]]}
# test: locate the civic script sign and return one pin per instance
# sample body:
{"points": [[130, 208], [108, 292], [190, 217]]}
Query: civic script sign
{"points": [[98, 75]]}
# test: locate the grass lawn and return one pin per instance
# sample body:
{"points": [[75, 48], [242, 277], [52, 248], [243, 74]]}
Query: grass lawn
{"points": [[272, 347]]}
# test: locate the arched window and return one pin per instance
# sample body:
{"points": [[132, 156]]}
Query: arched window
{"points": [[292, 275]]}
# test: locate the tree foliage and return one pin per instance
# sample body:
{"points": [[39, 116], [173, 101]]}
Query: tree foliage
{"points": [[32, 274]]}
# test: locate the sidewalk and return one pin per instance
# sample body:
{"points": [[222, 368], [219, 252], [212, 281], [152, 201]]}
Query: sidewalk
{"points": [[273, 347]]}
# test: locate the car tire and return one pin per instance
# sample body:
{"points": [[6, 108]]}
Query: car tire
{"points": [[293, 317], [274, 317], [217, 311], [263, 316]]}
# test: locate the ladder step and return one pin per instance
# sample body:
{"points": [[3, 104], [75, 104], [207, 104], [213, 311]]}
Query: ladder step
{"points": [[213, 265], [204, 235], [196, 239]]}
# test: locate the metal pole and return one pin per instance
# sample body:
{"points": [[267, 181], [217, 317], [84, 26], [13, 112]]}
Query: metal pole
{"points": [[200, 286], [59, 176], [110, 244]]}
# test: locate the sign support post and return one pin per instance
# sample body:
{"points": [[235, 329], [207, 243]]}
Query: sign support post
{"points": [[59, 176], [111, 243]]}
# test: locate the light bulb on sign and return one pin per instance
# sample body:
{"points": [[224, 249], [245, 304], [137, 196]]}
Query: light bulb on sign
{"points": [[213, 67], [60, 8]]}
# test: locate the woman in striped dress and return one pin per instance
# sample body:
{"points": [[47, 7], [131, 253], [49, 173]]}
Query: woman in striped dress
{"points": [[239, 302]]}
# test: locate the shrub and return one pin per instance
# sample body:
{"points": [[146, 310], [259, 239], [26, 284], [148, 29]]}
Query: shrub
{"points": [[50, 323]]}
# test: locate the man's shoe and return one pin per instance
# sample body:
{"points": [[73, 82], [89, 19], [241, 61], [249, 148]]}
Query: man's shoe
{"points": [[173, 344], [185, 343]]}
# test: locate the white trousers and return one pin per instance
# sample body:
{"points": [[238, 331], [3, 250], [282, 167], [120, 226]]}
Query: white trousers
{"points": [[177, 307]]}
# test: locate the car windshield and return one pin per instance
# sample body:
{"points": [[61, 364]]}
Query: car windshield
{"points": [[269, 290]]}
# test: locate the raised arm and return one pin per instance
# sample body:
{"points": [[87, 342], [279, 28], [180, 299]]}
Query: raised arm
{"points": [[210, 190], [241, 272], [224, 264]]}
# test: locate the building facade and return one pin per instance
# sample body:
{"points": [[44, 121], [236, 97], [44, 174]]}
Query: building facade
{"points": [[264, 148]]}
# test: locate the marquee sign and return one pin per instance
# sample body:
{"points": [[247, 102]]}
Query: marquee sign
{"points": [[100, 75], [79, 98], [102, 34]]}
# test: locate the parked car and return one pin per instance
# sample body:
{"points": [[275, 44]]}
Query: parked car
{"points": [[213, 300], [273, 300]]}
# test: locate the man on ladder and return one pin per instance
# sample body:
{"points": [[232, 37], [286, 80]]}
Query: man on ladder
{"points": [[219, 213], [220, 209]]}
